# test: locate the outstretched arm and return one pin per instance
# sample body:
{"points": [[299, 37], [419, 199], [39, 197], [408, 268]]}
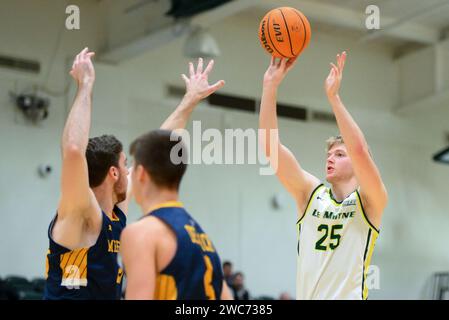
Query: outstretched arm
{"points": [[372, 189], [297, 181], [77, 202], [197, 89]]}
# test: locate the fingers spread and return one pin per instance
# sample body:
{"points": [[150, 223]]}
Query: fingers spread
{"points": [[77, 59], [191, 69], [199, 69], [283, 63], [291, 62], [278, 62], [209, 67], [343, 60], [329, 76], [83, 53], [216, 86], [184, 77], [334, 67]]}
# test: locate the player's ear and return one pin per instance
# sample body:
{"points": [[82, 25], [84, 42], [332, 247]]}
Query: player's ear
{"points": [[140, 172], [113, 172]]}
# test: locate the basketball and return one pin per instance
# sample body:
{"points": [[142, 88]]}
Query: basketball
{"points": [[284, 32]]}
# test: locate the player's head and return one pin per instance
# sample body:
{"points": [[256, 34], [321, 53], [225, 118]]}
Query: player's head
{"points": [[160, 161], [227, 268], [338, 164], [238, 281], [106, 163]]}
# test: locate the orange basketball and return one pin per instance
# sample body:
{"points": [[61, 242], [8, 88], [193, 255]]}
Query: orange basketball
{"points": [[284, 32]]}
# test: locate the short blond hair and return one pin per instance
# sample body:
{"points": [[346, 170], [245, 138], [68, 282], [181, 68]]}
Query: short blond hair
{"points": [[339, 140], [333, 141]]}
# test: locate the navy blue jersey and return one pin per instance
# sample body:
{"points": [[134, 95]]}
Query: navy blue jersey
{"points": [[195, 272], [87, 273]]}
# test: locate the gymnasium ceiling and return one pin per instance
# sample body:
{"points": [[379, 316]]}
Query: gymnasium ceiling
{"points": [[429, 13], [136, 26], [139, 25]]}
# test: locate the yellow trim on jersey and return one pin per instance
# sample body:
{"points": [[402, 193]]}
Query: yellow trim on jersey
{"points": [[312, 197], [47, 264], [119, 276], [114, 216], [165, 288], [367, 263], [364, 214], [331, 196], [168, 204], [208, 278]]}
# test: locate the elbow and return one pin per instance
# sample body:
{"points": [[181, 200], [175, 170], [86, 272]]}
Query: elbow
{"points": [[361, 149], [381, 199], [72, 150]]}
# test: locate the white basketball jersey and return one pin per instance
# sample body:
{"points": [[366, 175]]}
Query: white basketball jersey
{"points": [[335, 245]]}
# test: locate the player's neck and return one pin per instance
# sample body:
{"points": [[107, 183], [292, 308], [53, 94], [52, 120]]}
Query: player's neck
{"points": [[341, 190], [157, 198], [105, 199]]}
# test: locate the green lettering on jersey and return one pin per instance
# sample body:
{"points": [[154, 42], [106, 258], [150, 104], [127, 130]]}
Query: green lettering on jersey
{"points": [[328, 215]]}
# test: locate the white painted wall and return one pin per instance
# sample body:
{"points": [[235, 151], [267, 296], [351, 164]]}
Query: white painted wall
{"points": [[231, 202]]}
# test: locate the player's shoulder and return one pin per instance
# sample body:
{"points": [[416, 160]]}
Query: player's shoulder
{"points": [[145, 229], [314, 189], [317, 189]]}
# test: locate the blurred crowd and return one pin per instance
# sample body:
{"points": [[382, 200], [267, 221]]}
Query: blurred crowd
{"points": [[236, 283]]}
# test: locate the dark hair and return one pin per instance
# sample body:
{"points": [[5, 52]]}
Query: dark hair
{"points": [[227, 264], [102, 153], [153, 151]]}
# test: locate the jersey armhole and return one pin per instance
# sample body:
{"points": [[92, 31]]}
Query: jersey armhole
{"points": [[166, 269], [312, 195], [121, 215], [63, 248], [365, 217]]}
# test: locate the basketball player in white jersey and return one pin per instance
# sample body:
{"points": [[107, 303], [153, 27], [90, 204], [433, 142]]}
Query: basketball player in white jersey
{"points": [[337, 225]]}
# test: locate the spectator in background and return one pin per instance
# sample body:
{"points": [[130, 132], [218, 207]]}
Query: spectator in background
{"points": [[285, 296], [238, 288], [227, 273]]}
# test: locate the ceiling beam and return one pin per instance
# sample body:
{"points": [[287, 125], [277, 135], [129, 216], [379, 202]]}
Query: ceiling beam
{"points": [[207, 18], [145, 43], [179, 29]]}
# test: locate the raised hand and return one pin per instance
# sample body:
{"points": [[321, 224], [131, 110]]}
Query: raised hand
{"points": [[83, 69], [333, 81], [197, 84], [277, 70]]}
